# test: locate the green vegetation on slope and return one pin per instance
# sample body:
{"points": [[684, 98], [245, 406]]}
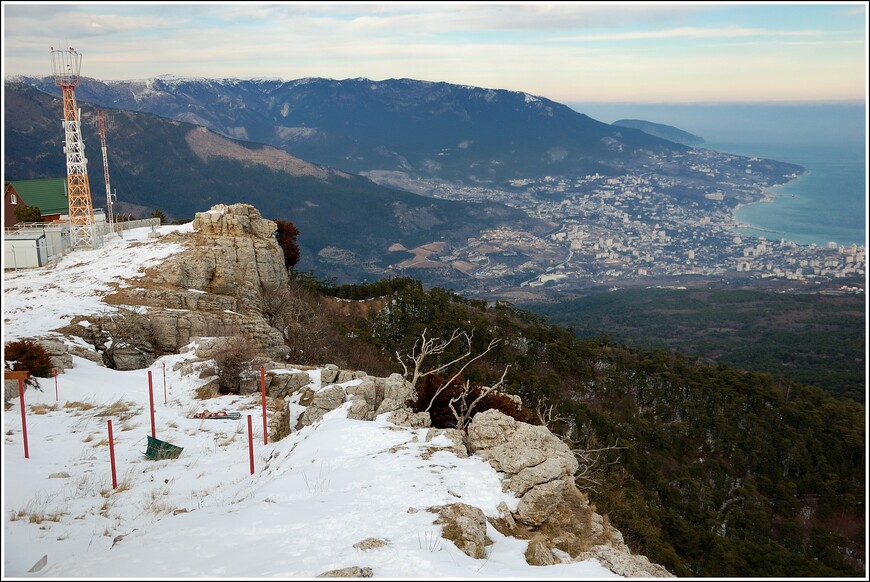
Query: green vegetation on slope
{"points": [[813, 339], [722, 472]]}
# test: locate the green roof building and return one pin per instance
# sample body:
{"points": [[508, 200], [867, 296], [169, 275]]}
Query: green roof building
{"points": [[49, 195]]}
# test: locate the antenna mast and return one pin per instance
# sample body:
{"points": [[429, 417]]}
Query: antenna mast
{"points": [[102, 124], [65, 65]]}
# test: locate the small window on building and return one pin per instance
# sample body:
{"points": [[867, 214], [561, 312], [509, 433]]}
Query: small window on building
{"points": [[13, 199]]}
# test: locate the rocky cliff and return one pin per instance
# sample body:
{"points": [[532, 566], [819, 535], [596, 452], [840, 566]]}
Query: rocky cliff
{"points": [[213, 288]]}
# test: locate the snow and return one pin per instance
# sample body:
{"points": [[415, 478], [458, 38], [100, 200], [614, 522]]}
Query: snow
{"points": [[312, 495]]}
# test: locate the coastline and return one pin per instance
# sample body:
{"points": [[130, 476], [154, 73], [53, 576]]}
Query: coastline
{"points": [[768, 196], [745, 226]]}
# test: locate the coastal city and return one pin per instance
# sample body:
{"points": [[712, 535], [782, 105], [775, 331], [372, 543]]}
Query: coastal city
{"points": [[647, 227]]}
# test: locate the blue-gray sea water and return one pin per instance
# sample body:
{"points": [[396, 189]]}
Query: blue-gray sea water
{"points": [[827, 204]]}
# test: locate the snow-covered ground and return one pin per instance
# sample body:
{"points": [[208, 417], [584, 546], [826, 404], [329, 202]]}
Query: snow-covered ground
{"points": [[312, 495]]}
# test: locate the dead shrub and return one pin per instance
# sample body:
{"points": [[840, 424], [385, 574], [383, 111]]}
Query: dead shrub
{"points": [[124, 329], [233, 361], [299, 314]]}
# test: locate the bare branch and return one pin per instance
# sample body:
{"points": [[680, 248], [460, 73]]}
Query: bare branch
{"points": [[466, 409], [461, 370]]}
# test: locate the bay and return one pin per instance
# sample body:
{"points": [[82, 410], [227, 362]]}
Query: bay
{"points": [[827, 204]]}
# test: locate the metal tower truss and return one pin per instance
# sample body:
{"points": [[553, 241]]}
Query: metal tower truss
{"points": [[66, 65], [102, 125]]}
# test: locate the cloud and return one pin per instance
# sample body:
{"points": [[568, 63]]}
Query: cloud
{"points": [[686, 32], [554, 50]]}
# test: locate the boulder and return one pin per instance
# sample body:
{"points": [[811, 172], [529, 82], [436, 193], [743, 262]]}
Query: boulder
{"points": [[464, 525]]}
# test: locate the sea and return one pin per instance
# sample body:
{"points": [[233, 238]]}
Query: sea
{"points": [[826, 204]]}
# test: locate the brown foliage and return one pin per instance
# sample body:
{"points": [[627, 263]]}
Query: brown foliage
{"points": [[28, 355], [287, 235], [441, 414]]}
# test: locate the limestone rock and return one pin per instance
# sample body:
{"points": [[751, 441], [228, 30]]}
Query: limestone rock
{"points": [[398, 389], [538, 503], [454, 436], [349, 572], [528, 477], [625, 564], [464, 525], [404, 417], [329, 374], [324, 400], [371, 544], [61, 359], [281, 385], [538, 553], [489, 429], [329, 398]]}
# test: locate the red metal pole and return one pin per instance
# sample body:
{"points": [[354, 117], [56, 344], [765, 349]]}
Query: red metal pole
{"points": [[151, 400], [56, 396], [112, 457], [251, 441], [263, 391], [164, 382], [24, 420]]}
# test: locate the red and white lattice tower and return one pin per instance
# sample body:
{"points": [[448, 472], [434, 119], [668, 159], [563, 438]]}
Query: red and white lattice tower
{"points": [[102, 124], [65, 65]]}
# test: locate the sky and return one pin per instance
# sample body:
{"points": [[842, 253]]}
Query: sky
{"points": [[646, 52], [311, 497]]}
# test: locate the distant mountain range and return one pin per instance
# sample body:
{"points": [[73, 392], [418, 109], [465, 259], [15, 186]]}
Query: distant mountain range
{"points": [[347, 223], [667, 132], [304, 150], [427, 129]]}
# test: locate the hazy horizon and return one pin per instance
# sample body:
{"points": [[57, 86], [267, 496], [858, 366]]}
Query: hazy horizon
{"points": [[573, 51]]}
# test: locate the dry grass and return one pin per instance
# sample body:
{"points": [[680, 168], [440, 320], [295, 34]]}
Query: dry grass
{"points": [[78, 405], [120, 409], [229, 439], [88, 438], [43, 408], [37, 511], [154, 502], [127, 424], [125, 484]]}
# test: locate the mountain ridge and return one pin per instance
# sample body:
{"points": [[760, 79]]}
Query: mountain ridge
{"points": [[668, 132], [378, 124], [179, 168]]}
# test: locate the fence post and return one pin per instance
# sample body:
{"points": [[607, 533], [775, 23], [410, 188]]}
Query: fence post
{"points": [[251, 442], [151, 408], [56, 396], [112, 457], [263, 391], [24, 419]]}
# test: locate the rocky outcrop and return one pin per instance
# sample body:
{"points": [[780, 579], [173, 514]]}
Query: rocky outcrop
{"points": [[552, 513], [538, 467], [328, 398], [464, 525], [212, 287], [370, 397], [61, 359], [454, 439]]}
